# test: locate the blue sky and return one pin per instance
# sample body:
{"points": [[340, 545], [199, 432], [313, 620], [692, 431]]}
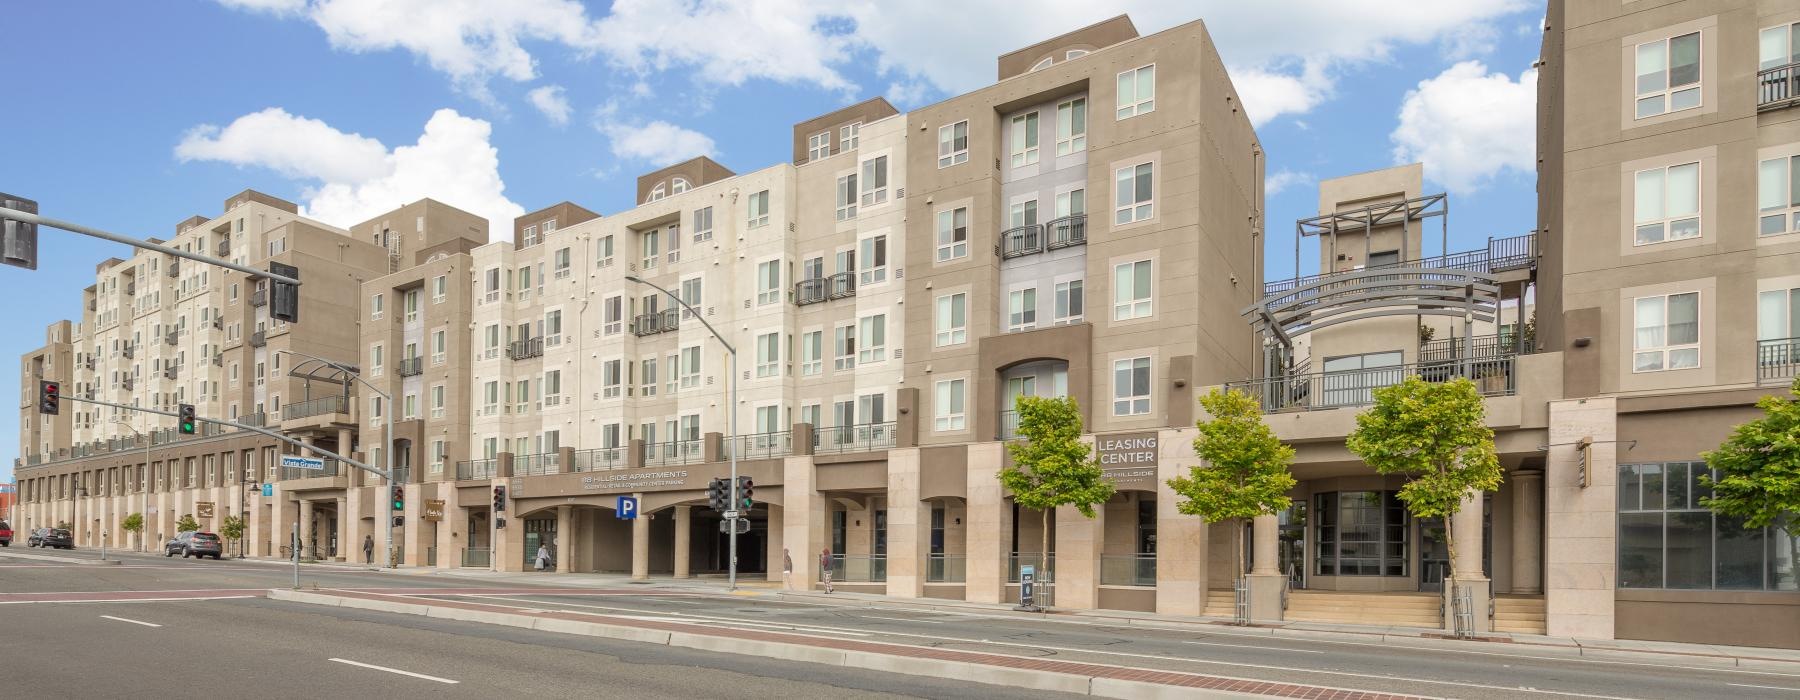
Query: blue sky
{"points": [[138, 115]]}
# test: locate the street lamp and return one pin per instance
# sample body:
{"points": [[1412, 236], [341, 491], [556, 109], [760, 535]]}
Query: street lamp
{"points": [[144, 486], [387, 508], [732, 439]]}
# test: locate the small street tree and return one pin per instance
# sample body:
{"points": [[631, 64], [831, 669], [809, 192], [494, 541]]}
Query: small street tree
{"points": [[1759, 470], [1051, 465], [1243, 470], [187, 523], [232, 528], [1436, 435], [133, 523]]}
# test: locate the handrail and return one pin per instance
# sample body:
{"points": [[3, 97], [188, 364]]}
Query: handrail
{"points": [[1021, 240], [1777, 361], [1067, 231], [1778, 87], [1478, 346], [1323, 390], [1500, 254]]}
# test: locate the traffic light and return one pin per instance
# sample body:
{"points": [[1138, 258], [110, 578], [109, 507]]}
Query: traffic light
{"points": [[18, 239], [743, 495], [716, 497], [399, 521], [399, 499], [284, 298], [188, 423], [49, 398], [499, 499]]}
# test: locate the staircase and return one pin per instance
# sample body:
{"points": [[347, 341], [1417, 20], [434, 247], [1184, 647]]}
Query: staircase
{"points": [[1220, 603], [1523, 614], [1387, 609]]}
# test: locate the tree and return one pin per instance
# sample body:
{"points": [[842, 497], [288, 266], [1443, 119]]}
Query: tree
{"points": [[187, 523], [1759, 470], [1436, 435], [133, 523], [1243, 470], [62, 524], [232, 527], [1051, 465]]}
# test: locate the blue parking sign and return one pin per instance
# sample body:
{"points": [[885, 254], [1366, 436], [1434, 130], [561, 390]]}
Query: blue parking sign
{"points": [[268, 490], [628, 508]]}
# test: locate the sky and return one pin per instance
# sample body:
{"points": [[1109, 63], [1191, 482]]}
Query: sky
{"points": [[131, 117]]}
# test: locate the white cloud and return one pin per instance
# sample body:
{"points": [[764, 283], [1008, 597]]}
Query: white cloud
{"points": [[553, 101], [1280, 180], [728, 42], [353, 178], [1468, 126], [658, 143], [279, 7], [469, 40], [1469, 41]]}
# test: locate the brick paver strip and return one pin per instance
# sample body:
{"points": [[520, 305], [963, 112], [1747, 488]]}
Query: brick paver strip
{"points": [[1077, 668]]}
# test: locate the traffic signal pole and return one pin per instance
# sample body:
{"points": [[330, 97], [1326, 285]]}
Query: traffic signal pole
{"points": [[71, 227]]}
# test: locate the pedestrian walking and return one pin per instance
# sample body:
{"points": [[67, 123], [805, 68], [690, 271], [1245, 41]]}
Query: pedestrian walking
{"points": [[543, 557], [825, 568], [787, 569], [368, 549]]}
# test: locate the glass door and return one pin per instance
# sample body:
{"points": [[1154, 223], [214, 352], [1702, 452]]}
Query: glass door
{"points": [[539, 531]]}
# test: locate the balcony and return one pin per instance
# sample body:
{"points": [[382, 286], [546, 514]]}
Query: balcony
{"points": [[174, 267], [323, 406], [1067, 231], [412, 367], [666, 321], [761, 445], [130, 351], [1481, 347], [1777, 361], [599, 459], [1501, 254], [218, 323], [173, 372], [259, 297], [1008, 426], [1308, 391], [259, 339], [519, 350], [1020, 241], [867, 437], [674, 452], [131, 288], [255, 420], [126, 383], [1778, 87], [536, 465], [173, 338], [820, 289], [477, 469], [223, 249]]}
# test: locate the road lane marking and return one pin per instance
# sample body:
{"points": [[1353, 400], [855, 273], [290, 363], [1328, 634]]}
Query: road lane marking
{"points": [[1765, 687], [1252, 646], [898, 619], [123, 600], [395, 670], [135, 622]]}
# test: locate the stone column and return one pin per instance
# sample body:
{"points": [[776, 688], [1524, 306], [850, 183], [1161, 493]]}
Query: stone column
{"points": [[349, 545], [307, 548], [1527, 531], [640, 544], [988, 527], [802, 519], [1181, 546], [1079, 541], [908, 525], [1580, 523], [684, 534], [1466, 525], [1265, 578], [565, 539], [774, 547]]}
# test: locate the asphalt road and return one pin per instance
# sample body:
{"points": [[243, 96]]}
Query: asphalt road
{"points": [[267, 648]]}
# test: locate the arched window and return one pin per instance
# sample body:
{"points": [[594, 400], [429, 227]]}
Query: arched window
{"points": [[1074, 54], [679, 186], [1044, 63], [656, 194]]}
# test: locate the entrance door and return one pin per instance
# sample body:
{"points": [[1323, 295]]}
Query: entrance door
{"points": [[1434, 552], [539, 531], [1292, 545]]}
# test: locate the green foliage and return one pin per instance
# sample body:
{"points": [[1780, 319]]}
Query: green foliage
{"points": [[187, 523], [1243, 470], [1759, 468], [1436, 435], [232, 527], [62, 525], [1051, 466], [132, 523]]}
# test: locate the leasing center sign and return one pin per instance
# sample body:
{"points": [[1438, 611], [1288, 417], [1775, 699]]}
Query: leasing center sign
{"points": [[1129, 459]]}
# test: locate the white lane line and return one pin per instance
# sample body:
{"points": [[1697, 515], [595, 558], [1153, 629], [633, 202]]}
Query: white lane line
{"points": [[1252, 646], [128, 600], [135, 622], [1765, 687], [395, 670], [899, 619]]}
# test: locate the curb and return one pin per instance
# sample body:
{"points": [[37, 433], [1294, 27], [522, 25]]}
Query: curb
{"points": [[66, 560]]}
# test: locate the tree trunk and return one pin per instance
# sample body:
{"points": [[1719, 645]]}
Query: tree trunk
{"points": [[1044, 547], [1450, 543]]}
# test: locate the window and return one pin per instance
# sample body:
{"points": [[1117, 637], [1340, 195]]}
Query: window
{"points": [[676, 186], [551, 388], [874, 339], [561, 264], [843, 347], [1667, 204], [1131, 387], [812, 353], [768, 355], [692, 294], [530, 235], [848, 135], [603, 251], [1025, 139], [874, 181], [871, 407], [818, 146], [1021, 307], [1071, 126], [1778, 46], [948, 414], [374, 407], [1668, 75], [439, 453], [610, 380], [440, 287], [1778, 195], [438, 346], [437, 401], [647, 376], [411, 302], [874, 260], [376, 307], [1068, 303], [612, 315], [953, 144], [1131, 291], [846, 197], [952, 234], [409, 407], [1667, 332], [1360, 533], [952, 320], [1667, 539], [768, 282], [672, 239], [690, 367], [648, 242], [1134, 199], [672, 370], [376, 364], [703, 224], [657, 193], [1137, 92], [552, 331], [1778, 318], [1071, 203], [522, 400], [758, 210]]}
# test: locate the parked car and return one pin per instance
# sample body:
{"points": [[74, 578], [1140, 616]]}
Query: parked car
{"points": [[47, 537], [5, 534], [195, 544]]}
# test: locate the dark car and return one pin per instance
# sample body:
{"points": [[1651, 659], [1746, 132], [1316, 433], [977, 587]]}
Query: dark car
{"points": [[195, 544], [5, 534], [51, 537]]}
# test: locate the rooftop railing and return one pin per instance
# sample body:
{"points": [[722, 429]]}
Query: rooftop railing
{"points": [[1307, 391], [1500, 254]]}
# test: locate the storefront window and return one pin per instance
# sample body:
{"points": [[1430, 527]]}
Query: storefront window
{"points": [[1668, 539], [1361, 533]]}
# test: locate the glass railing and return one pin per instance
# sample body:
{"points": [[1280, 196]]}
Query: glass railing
{"points": [[477, 469], [535, 465], [661, 454], [762, 445], [1128, 569], [859, 568], [868, 437], [945, 568], [600, 459], [477, 557]]}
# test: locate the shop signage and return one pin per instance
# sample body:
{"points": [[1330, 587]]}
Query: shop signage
{"points": [[434, 511], [658, 480], [1129, 459], [203, 509]]}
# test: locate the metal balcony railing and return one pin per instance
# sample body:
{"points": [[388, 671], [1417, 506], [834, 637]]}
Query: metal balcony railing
{"points": [[412, 367], [259, 297], [130, 351], [841, 285], [1021, 240], [673, 452], [1303, 391], [761, 445], [525, 349], [223, 248], [867, 437], [131, 289], [600, 459], [477, 469], [811, 291], [1479, 347], [1008, 428], [174, 267], [1777, 361], [1500, 254], [666, 321], [536, 465], [1067, 231], [173, 337], [1778, 87], [315, 407], [257, 420], [172, 372]]}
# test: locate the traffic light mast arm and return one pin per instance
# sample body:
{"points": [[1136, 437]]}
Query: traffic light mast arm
{"points": [[255, 429], [71, 227]]}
